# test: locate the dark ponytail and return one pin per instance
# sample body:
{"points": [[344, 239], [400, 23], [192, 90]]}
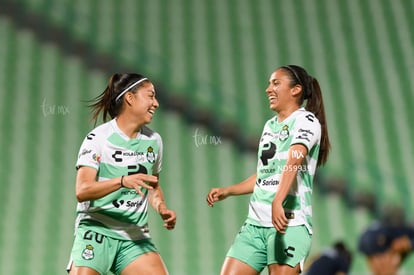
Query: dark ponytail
{"points": [[311, 92], [110, 101], [315, 105]]}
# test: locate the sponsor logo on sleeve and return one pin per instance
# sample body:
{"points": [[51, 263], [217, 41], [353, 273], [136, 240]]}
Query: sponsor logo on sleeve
{"points": [[304, 134], [84, 152], [96, 157]]}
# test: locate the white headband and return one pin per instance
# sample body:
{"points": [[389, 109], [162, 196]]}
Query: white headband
{"points": [[130, 87]]}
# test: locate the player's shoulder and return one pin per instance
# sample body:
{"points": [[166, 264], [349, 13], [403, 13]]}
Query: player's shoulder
{"points": [[306, 121], [100, 131], [150, 133], [271, 120], [303, 115]]}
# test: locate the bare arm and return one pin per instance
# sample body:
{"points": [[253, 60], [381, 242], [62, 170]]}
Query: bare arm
{"points": [[87, 188], [157, 201], [296, 155], [156, 197], [242, 188]]}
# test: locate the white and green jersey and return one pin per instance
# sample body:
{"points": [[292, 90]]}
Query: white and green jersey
{"points": [[121, 214], [301, 127]]}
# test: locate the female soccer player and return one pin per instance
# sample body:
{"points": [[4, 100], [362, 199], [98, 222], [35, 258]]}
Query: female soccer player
{"points": [[278, 229], [117, 176]]}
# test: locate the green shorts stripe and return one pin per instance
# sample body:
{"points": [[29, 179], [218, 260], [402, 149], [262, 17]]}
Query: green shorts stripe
{"points": [[103, 253], [262, 246]]}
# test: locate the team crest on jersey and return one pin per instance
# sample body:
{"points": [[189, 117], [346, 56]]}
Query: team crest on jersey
{"points": [[88, 253], [150, 155], [284, 133]]}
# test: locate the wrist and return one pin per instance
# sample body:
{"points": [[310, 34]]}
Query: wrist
{"points": [[121, 182], [161, 206], [227, 191], [277, 201]]}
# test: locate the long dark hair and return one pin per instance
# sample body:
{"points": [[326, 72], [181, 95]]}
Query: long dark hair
{"points": [[110, 102], [311, 92]]}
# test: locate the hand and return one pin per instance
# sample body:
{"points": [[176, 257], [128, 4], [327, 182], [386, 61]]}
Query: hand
{"points": [[279, 220], [216, 194], [136, 181], [169, 217]]}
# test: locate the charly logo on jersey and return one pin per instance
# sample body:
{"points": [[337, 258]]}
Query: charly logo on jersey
{"points": [[118, 155], [150, 155], [284, 133], [90, 136], [88, 253], [288, 251]]}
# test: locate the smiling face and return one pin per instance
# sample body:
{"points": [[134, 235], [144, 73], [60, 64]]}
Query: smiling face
{"points": [[143, 103], [282, 95]]}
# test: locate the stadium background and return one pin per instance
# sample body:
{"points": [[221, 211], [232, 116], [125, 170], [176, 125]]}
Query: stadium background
{"points": [[210, 62]]}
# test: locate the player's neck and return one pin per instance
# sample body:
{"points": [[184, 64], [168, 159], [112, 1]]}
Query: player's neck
{"points": [[129, 127], [286, 112]]}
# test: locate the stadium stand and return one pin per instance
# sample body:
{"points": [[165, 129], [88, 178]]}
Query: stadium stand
{"points": [[210, 61]]}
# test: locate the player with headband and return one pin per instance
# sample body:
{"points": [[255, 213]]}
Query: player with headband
{"points": [[117, 177]]}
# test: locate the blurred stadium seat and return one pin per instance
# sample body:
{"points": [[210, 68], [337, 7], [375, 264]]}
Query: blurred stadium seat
{"points": [[211, 56]]}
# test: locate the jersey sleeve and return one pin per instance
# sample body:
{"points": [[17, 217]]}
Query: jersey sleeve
{"points": [[158, 161], [307, 131], [89, 153]]}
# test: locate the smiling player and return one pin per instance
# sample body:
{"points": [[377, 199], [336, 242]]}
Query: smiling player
{"points": [[278, 229], [117, 177]]}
